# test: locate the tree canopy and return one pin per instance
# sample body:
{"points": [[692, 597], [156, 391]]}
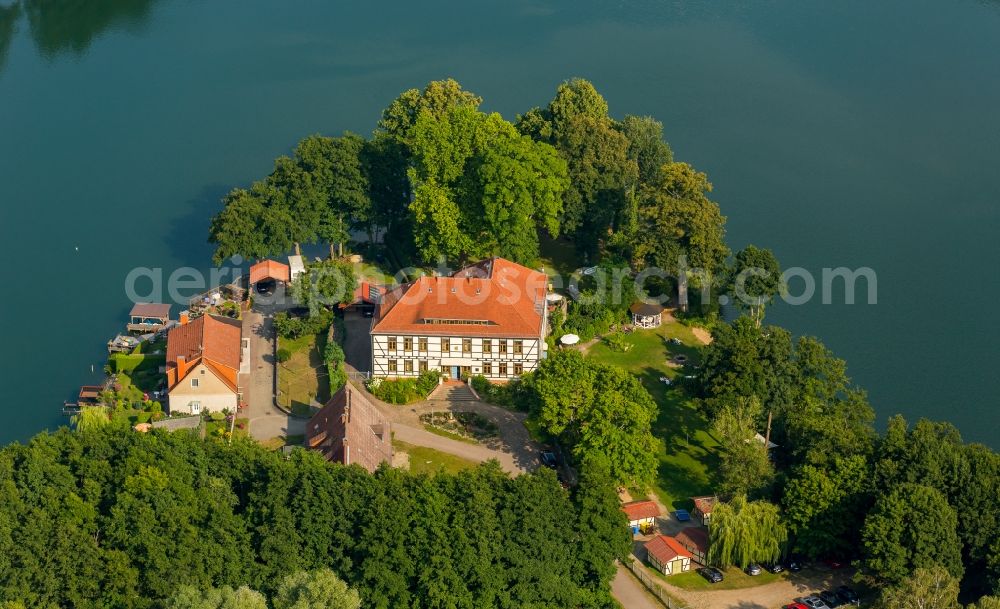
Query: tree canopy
{"points": [[599, 411], [114, 518]]}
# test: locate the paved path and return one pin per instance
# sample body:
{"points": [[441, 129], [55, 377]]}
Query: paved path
{"points": [[266, 420], [630, 592], [514, 448]]}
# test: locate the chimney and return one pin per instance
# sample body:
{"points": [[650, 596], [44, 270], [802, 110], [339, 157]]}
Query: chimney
{"points": [[184, 317], [181, 366]]}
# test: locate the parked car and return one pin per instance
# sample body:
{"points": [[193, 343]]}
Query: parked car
{"points": [[796, 563], [712, 574], [549, 459], [813, 602], [795, 606], [775, 567], [833, 563], [830, 598], [753, 569], [849, 596]]}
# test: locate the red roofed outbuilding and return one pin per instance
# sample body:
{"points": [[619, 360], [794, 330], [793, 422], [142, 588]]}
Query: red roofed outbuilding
{"points": [[703, 507], [270, 270], [695, 541], [667, 555], [641, 514]]}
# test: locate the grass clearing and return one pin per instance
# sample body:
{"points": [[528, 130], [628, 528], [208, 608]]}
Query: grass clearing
{"points": [[429, 461], [734, 579], [444, 433], [303, 378], [689, 452]]}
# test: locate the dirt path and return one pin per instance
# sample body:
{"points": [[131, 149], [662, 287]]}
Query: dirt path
{"points": [[703, 335], [630, 592]]}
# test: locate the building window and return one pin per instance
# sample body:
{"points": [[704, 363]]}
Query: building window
{"points": [[466, 345], [518, 347], [422, 366], [195, 382], [487, 345], [422, 344], [445, 345], [407, 365], [407, 344], [503, 369], [392, 365], [518, 369], [503, 346], [487, 369], [392, 343]]}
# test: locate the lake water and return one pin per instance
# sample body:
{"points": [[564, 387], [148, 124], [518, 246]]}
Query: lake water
{"points": [[836, 133]]}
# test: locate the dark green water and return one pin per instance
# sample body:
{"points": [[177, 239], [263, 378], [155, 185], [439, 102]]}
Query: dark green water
{"points": [[836, 133]]}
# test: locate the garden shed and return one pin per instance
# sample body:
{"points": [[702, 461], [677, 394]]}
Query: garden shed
{"points": [[667, 555]]}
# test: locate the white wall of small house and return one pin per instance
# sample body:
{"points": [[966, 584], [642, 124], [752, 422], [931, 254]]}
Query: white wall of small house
{"points": [[211, 393], [642, 522], [438, 359]]}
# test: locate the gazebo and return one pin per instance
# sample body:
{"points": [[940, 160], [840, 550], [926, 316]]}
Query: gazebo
{"points": [[646, 315]]}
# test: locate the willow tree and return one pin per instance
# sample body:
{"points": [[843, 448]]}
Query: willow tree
{"points": [[91, 417], [745, 532]]}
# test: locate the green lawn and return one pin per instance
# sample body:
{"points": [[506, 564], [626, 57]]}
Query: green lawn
{"points": [[444, 433], [735, 579], [689, 451], [429, 461], [303, 378]]}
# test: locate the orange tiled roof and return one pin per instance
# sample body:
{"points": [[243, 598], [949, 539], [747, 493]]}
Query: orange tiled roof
{"points": [[212, 338], [638, 510], [665, 549], [498, 297], [270, 269]]}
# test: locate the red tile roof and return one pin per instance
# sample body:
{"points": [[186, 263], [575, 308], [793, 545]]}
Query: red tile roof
{"points": [[350, 430], [639, 510], [211, 337], [496, 297], [694, 537], [665, 549], [706, 504], [270, 269]]}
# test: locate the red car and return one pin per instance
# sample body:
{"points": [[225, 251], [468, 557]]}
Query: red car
{"points": [[795, 606]]}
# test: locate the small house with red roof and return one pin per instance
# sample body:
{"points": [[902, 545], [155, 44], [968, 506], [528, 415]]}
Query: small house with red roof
{"points": [[703, 507], [695, 541], [667, 555], [489, 318], [641, 514], [203, 364]]}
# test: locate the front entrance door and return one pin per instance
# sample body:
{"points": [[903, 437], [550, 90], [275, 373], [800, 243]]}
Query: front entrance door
{"points": [[455, 373]]}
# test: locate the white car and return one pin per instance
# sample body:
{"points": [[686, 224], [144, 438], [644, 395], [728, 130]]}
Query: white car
{"points": [[813, 602]]}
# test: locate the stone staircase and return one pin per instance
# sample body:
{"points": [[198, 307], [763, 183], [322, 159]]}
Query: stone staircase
{"points": [[453, 392]]}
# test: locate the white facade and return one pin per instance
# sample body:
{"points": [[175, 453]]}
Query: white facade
{"points": [[498, 359], [202, 391]]}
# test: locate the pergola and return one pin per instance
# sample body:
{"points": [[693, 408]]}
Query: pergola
{"points": [[646, 315]]}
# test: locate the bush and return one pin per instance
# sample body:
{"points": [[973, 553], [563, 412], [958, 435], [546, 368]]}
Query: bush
{"points": [[616, 342], [283, 355], [404, 391], [294, 327]]}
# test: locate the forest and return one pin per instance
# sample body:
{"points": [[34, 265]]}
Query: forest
{"points": [[113, 519]]}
